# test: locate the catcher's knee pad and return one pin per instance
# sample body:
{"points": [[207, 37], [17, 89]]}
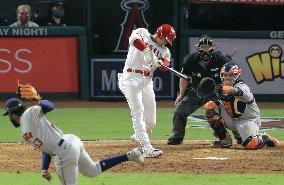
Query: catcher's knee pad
{"points": [[253, 142], [210, 111]]}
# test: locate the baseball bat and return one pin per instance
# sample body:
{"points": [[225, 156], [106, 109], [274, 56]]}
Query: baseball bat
{"points": [[176, 73]]}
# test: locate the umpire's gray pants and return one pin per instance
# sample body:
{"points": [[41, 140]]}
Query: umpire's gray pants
{"points": [[189, 104]]}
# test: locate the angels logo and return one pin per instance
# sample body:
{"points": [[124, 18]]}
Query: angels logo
{"points": [[134, 18]]}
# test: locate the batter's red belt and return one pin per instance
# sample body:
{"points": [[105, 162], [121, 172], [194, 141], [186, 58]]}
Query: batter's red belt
{"points": [[144, 73]]}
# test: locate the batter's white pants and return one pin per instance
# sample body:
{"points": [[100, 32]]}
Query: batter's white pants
{"points": [[138, 90], [71, 158]]}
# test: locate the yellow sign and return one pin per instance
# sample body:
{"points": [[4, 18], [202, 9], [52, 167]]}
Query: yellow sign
{"points": [[266, 66]]}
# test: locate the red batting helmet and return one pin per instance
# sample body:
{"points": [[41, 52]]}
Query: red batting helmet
{"points": [[168, 32]]}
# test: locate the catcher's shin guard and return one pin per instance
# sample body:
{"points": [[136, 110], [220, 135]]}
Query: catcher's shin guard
{"points": [[217, 124], [219, 128], [253, 142], [224, 143], [237, 137], [225, 140]]}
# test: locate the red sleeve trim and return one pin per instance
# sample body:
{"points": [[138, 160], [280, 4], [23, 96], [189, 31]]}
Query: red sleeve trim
{"points": [[139, 44]]}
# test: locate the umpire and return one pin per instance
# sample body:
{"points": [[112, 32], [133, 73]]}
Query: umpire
{"points": [[206, 62]]}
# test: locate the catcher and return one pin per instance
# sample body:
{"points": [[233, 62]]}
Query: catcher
{"points": [[233, 106]]}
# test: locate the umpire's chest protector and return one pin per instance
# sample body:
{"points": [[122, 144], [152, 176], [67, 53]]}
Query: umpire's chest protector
{"points": [[201, 69]]}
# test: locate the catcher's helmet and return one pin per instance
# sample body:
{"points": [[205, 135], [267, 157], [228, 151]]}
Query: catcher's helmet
{"points": [[168, 32], [12, 104], [205, 47], [230, 68]]}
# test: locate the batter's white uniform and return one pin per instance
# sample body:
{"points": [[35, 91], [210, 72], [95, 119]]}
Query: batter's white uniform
{"points": [[241, 113], [70, 155], [136, 84]]}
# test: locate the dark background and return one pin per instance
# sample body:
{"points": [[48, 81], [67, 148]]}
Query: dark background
{"points": [[41, 11], [229, 16], [108, 16]]}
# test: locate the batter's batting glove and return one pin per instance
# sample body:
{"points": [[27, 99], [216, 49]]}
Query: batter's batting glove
{"points": [[45, 174], [157, 63], [164, 63]]}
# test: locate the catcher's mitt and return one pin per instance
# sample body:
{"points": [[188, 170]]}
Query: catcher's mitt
{"points": [[27, 92], [206, 88]]}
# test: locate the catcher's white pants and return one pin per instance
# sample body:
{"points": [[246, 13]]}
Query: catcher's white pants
{"points": [[246, 127], [71, 157], [138, 90]]}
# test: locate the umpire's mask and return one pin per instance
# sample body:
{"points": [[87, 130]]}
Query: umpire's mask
{"points": [[205, 47]]}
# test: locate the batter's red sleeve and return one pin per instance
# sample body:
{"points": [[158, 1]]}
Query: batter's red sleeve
{"points": [[139, 44]]}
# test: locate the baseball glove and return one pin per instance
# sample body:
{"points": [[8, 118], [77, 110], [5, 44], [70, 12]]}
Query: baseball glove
{"points": [[206, 89], [219, 89], [27, 92]]}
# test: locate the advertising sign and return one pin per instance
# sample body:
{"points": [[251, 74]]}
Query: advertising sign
{"points": [[261, 61], [104, 84], [50, 64]]}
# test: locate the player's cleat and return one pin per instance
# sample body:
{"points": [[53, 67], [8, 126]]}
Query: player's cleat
{"points": [[134, 139], [152, 153], [136, 156], [221, 144], [174, 141], [225, 143], [270, 141]]}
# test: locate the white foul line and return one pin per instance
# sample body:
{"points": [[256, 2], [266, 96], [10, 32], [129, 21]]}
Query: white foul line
{"points": [[211, 158]]}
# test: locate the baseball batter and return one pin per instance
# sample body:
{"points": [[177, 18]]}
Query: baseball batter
{"points": [[68, 149], [136, 80], [238, 111]]}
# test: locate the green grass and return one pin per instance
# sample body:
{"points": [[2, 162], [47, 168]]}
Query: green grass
{"points": [[148, 179], [115, 123]]}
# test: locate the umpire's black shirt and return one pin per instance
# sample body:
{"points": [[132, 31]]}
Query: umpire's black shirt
{"points": [[197, 69]]}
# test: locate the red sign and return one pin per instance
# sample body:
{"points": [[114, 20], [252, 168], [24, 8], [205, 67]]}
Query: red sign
{"points": [[266, 2], [49, 64]]}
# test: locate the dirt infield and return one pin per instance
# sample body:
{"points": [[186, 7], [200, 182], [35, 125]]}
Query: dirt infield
{"points": [[191, 157], [186, 158]]}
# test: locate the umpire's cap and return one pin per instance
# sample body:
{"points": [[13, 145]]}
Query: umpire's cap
{"points": [[12, 104]]}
